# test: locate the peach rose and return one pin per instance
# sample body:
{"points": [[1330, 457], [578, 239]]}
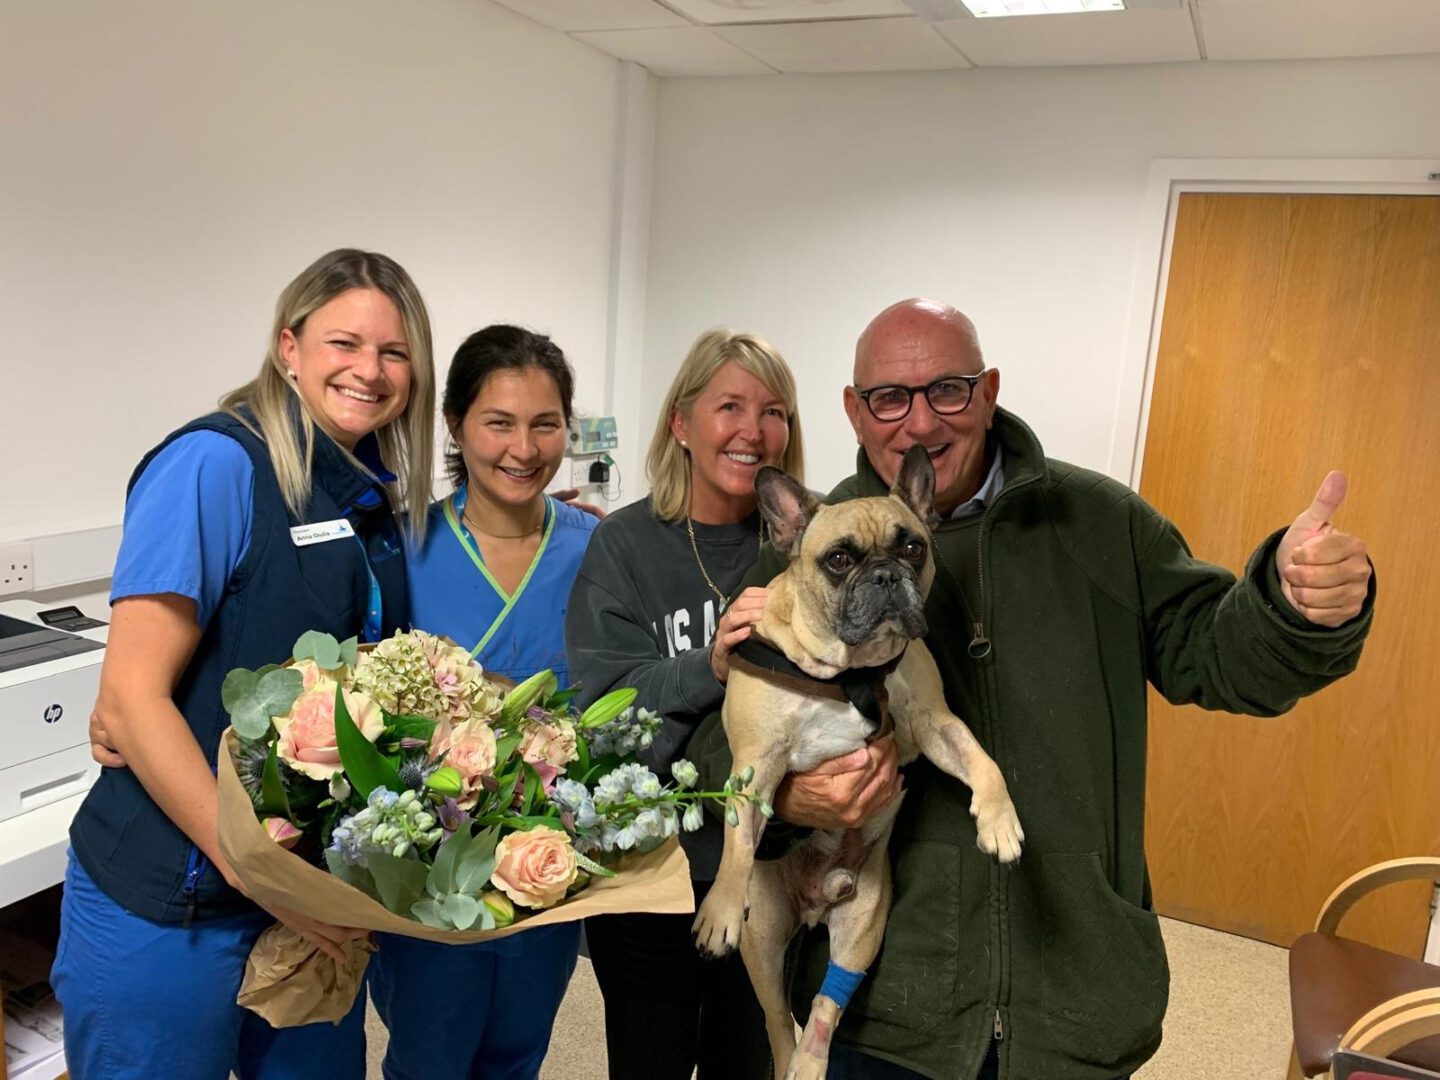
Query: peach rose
{"points": [[281, 831], [314, 677], [535, 868], [470, 749], [549, 744], [307, 734]]}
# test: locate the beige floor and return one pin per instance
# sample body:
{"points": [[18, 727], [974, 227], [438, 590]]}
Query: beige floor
{"points": [[1229, 1015]]}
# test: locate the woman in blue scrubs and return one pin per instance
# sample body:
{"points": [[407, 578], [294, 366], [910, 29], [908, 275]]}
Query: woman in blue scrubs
{"points": [[494, 574], [212, 575]]}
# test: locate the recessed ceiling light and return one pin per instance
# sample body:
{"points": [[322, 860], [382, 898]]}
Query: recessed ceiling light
{"points": [[994, 9]]}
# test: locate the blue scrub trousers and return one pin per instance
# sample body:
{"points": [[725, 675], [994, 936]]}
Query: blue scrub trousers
{"points": [[145, 1000], [466, 1012]]}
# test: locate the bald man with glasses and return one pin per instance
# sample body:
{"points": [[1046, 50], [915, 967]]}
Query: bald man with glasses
{"points": [[1059, 593]]}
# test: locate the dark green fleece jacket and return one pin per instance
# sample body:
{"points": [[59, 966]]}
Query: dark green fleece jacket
{"points": [[1087, 594]]}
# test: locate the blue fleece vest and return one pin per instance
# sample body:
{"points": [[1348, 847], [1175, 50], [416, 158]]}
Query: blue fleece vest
{"points": [[122, 838]]}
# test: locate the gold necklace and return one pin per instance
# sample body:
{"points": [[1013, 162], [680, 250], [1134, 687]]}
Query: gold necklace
{"points": [[474, 527], [690, 529]]}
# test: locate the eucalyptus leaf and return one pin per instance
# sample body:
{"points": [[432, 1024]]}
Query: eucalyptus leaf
{"points": [[356, 876], [401, 882], [317, 646], [238, 685], [487, 918], [462, 910], [349, 649], [277, 690], [428, 912], [366, 768], [442, 873], [473, 872], [250, 721]]}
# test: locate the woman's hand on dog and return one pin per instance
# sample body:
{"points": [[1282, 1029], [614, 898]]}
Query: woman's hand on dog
{"points": [[844, 792], [735, 626]]}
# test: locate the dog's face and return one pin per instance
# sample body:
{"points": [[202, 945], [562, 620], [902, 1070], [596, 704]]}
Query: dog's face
{"points": [[861, 569]]}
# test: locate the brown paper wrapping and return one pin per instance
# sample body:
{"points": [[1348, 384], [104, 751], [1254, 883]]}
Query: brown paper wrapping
{"points": [[289, 982]]}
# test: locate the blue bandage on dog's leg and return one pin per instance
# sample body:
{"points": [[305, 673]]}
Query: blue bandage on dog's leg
{"points": [[840, 983]]}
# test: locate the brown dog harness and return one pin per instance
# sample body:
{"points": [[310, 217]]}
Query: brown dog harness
{"points": [[864, 688]]}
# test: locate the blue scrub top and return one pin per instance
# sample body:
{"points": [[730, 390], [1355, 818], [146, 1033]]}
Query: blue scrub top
{"points": [[451, 592]]}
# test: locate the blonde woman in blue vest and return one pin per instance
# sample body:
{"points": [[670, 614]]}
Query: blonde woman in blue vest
{"points": [[211, 575]]}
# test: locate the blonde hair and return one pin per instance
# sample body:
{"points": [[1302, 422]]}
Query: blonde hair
{"points": [[264, 405], [668, 464]]}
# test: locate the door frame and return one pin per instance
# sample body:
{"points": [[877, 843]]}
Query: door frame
{"points": [[1170, 178]]}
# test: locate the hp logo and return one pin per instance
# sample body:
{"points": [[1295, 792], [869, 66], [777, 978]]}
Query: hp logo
{"points": [[54, 712]]}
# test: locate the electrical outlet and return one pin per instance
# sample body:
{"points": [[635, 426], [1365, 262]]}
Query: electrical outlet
{"points": [[17, 569]]}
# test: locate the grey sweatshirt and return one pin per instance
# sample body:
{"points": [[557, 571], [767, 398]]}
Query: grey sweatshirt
{"points": [[641, 615]]}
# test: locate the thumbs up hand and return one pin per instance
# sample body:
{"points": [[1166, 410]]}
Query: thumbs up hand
{"points": [[1324, 574]]}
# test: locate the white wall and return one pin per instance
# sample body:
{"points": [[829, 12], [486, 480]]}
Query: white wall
{"points": [[166, 167], [798, 207]]}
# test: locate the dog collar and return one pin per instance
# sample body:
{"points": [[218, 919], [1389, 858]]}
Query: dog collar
{"points": [[864, 688]]}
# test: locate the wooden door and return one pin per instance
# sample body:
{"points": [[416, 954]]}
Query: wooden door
{"points": [[1301, 333]]}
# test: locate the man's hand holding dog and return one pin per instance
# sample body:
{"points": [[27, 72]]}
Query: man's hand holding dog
{"points": [[1324, 574], [843, 792], [736, 624]]}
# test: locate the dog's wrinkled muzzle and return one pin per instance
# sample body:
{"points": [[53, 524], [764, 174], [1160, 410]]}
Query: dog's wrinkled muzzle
{"points": [[885, 592]]}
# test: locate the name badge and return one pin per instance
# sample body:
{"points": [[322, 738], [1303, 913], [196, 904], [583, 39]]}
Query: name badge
{"points": [[320, 531]]}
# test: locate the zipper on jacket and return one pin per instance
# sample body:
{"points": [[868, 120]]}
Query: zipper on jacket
{"points": [[980, 646], [999, 1027], [194, 867]]}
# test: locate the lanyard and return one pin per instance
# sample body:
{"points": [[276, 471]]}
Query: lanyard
{"points": [[468, 545], [374, 623]]}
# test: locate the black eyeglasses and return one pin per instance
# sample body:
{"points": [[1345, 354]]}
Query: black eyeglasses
{"points": [[947, 395]]}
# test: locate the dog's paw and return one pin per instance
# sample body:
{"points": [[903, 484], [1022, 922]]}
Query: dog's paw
{"points": [[717, 925], [997, 829]]}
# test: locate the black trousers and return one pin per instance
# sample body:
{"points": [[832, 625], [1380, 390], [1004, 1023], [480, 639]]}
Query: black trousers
{"points": [[847, 1064], [668, 1010]]}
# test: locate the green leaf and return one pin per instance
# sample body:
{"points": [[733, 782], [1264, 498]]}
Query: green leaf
{"points": [[263, 671], [557, 701], [272, 788], [400, 882], [487, 917], [608, 707], [238, 685], [365, 767], [322, 648], [349, 649], [474, 870], [532, 789], [428, 912], [452, 850], [581, 764], [462, 910], [505, 748], [409, 727], [357, 876]]}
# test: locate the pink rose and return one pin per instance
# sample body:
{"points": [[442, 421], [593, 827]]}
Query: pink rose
{"points": [[313, 676], [549, 744], [470, 749], [307, 734], [535, 868]]}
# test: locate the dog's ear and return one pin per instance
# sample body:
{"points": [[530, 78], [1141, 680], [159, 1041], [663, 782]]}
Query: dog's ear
{"points": [[786, 504], [915, 486]]}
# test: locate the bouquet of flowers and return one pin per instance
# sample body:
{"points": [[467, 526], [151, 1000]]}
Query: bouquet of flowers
{"points": [[440, 803]]}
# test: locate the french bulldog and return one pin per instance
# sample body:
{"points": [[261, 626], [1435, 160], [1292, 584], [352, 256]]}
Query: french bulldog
{"points": [[851, 598]]}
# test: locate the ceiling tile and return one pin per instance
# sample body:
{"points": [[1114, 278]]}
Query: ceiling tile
{"points": [[1121, 37], [717, 12], [1291, 29], [859, 45], [596, 14], [679, 51]]}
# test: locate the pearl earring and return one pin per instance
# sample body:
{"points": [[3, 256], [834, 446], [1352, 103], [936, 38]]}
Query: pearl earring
{"points": [[685, 444], [291, 373]]}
